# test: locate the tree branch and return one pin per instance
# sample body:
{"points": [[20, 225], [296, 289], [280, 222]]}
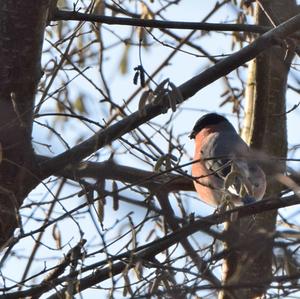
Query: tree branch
{"points": [[62, 15], [187, 89], [112, 171], [148, 251]]}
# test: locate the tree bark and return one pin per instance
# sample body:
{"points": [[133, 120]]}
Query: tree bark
{"points": [[264, 129], [22, 25]]}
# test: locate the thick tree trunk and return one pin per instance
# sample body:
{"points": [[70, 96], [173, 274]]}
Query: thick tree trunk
{"points": [[22, 25], [265, 129]]}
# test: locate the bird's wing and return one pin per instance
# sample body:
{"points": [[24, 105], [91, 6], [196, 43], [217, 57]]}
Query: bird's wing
{"points": [[221, 150]]}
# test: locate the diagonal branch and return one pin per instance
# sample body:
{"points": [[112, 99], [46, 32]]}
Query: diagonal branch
{"points": [[187, 89], [200, 263], [150, 250], [163, 243]]}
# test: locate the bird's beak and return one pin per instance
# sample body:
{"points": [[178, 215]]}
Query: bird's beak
{"points": [[192, 135]]}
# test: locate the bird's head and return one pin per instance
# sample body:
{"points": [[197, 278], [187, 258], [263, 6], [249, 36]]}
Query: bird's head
{"points": [[210, 119]]}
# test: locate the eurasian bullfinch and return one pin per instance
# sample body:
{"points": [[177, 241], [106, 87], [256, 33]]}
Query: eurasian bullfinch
{"points": [[223, 169]]}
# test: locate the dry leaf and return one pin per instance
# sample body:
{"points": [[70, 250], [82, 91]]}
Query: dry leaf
{"points": [[79, 104], [124, 60], [115, 196], [99, 8], [56, 236], [160, 89], [100, 211], [159, 163], [142, 103]]}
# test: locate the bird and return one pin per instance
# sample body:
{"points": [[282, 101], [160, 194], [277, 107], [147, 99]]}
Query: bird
{"points": [[223, 169]]}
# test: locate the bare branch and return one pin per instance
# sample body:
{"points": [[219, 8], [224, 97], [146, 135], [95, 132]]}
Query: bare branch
{"points": [[62, 15], [187, 89], [148, 251]]}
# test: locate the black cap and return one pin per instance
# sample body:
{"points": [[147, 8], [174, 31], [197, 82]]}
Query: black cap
{"points": [[207, 120]]}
